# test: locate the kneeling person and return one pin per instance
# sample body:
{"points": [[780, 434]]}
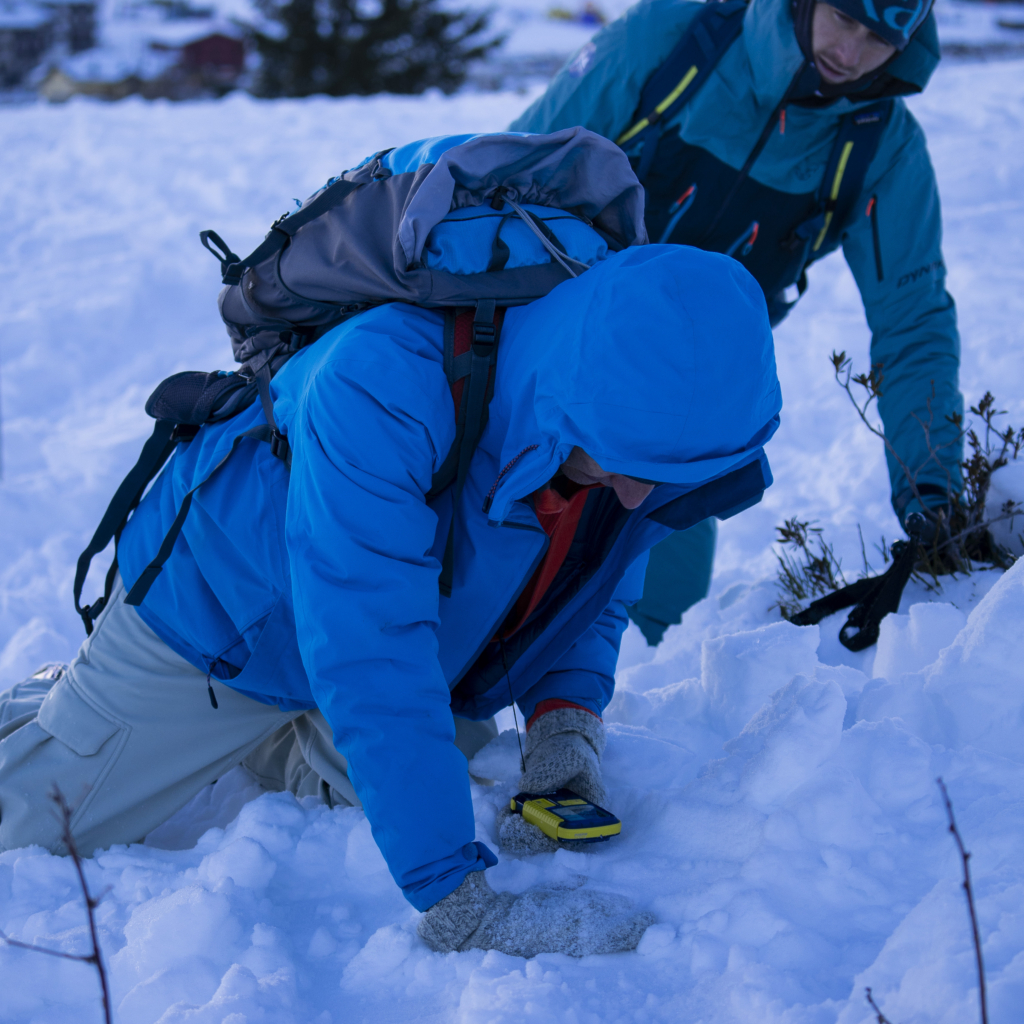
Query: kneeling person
{"points": [[298, 626]]}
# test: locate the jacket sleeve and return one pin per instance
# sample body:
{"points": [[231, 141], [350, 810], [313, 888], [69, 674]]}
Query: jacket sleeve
{"points": [[914, 337], [585, 674], [372, 426], [600, 86]]}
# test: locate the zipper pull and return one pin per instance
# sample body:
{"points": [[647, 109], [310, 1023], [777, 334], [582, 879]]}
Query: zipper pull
{"points": [[209, 690]]}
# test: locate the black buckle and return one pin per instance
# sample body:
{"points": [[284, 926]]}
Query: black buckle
{"points": [[91, 612], [184, 432], [484, 335], [279, 445]]}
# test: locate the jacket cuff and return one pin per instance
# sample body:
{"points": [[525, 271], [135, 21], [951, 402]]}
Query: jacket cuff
{"points": [[553, 704]]}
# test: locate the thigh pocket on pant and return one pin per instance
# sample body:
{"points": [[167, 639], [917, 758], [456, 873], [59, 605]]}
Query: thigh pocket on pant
{"points": [[68, 717]]}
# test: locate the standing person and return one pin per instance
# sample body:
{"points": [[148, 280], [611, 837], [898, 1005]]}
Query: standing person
{"points": [[297, 626], [775, 134]]}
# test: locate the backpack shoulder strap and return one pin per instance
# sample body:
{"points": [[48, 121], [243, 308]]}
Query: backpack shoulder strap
{"points": [[470, 355], [148, 577], [156, 451], [853, 150], [713, 30]]}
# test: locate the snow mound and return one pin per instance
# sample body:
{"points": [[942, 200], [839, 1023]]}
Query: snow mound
{"points": [[789, 859]]}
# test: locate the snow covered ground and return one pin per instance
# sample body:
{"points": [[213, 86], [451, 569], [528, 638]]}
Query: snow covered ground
{"points": [[781, 817]]}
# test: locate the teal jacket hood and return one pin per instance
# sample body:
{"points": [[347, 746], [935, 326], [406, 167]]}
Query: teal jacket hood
{"points": [[664, 370], [774, 56]]}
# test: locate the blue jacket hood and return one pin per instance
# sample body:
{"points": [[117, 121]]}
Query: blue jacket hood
{"points": [[664, 370]]}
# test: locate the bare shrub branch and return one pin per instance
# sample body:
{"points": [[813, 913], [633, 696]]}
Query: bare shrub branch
{"points": [[879, 1016], [965, 857], [811, 570], [91, 903], [961, 535]]}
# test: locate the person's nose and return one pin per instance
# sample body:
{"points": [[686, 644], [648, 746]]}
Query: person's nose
{"points": [[848, 53]]}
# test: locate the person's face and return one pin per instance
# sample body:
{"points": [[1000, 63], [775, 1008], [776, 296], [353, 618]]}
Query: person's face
{"points": [[844, 49], [580, 468]]}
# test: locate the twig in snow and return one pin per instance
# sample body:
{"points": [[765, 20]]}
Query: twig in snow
{"points": [[965, 857], [91, 903], [882, 1019]]}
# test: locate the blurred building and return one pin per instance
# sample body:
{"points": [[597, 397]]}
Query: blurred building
{"points": [[176, 58], [29, 31], [26, 33], [74, 23]]}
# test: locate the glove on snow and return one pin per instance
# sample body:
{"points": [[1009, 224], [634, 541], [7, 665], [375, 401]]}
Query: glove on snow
{"points": [[563, 750], [576, 922]]}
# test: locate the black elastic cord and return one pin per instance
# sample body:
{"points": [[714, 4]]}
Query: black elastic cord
{"points": [[512, 705]]}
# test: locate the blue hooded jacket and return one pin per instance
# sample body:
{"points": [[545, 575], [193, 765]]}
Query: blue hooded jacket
{"points": [[320, 588]]}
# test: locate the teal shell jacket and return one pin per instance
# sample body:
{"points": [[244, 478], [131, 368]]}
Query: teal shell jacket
{"points": [[911, 315]]}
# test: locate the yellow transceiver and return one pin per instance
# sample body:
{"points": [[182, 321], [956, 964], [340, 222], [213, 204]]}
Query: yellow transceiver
{"points": [[566, 816]]}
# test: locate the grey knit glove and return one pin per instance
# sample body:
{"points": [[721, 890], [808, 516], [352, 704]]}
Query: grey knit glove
{"points": [[563, 750], [577, 922]]}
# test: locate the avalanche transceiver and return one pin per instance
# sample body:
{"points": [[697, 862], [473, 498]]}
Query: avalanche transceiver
{"points": [[566, 816]]}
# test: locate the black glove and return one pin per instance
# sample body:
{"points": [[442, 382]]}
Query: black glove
{"points": [[937, 554]]}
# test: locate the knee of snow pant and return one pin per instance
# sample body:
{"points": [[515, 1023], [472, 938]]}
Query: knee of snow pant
{"points": [[678, 576], [301, 758], [20, 704], [70, 744], [128, 734], [472, 737]]}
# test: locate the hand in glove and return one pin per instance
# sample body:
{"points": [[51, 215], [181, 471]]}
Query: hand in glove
{"points": [[563, 750], [577, 922], [936, 555]]}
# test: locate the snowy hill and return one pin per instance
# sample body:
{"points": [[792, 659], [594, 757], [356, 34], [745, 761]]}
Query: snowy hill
{"points": [[781, 818]]}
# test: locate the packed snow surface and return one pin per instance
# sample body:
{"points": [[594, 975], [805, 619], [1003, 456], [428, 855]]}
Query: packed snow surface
{"points": [[780, 813]]}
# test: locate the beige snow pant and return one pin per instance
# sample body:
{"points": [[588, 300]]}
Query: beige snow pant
{"points": [[129, 735]]}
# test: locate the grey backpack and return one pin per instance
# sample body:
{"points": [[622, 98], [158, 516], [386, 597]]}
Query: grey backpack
{"points": [[471, 224]]}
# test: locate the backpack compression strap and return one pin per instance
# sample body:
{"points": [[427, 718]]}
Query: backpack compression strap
{"points": [[232, 267], [713, 30], [855, 147], [156, 451], [281, 231]]}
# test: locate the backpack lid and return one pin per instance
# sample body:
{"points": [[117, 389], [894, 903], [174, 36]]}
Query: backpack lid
{"points": [[572, 169]]}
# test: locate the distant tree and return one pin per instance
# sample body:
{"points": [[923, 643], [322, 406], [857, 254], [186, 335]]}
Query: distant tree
{"points": [[366, 46]]}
